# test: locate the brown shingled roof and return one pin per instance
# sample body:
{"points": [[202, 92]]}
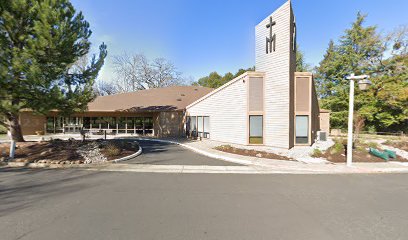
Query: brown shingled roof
{"points": [[156, 99]]}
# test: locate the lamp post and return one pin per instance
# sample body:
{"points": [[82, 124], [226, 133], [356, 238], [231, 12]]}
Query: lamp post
{"points": [[363, 84]]}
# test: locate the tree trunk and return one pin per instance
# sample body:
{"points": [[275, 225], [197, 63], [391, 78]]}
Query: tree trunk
{"points": [[15, 128]]}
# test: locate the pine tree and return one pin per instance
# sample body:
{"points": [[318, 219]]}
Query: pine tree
{"points": [[361, 50], [301, 65], [40, 42]]}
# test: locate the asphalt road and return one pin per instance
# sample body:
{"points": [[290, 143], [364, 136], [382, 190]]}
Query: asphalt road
{"points": [[79, 204], [161, 153]]}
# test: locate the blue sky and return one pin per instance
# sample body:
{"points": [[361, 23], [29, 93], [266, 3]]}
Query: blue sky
{"points": [[218, 35]]}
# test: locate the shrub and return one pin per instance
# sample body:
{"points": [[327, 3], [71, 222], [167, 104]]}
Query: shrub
{"points": [[223, 147], [338, 146], [3, 130], [388, 142], [112, 150], [372, 145], [316, 153]]}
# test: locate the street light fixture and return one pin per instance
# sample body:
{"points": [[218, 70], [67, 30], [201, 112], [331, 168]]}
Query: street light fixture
{"points": [[363, 84]]}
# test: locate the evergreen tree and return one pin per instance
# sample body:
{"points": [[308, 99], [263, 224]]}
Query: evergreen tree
{"points": [[361, 50], [301, 65], [40, 42], [215, 80]]}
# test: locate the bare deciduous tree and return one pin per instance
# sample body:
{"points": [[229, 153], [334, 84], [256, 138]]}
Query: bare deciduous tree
{"points": [[136, 72], [398, 39], [102, 88]]}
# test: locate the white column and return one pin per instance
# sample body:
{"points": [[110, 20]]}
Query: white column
{"points": [[350, 126]]}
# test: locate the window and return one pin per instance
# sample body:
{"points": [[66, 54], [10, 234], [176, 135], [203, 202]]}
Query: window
{"points": [[302, 129], [256, 129], [138, 125], [148, 125], [50, 124], [193, 126], [122, 124], [200, 126], [206, 126]]}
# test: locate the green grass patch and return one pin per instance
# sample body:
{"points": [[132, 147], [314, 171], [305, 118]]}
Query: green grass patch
{"points": [[316, 153]]}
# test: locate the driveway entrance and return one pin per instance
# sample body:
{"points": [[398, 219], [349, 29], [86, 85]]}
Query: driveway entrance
{"points": [[161, 153]]}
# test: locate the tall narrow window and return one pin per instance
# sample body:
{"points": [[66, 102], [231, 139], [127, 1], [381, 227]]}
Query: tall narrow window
{"points": [[200, 126], [50, 124], [193, 126], [206, 127], [148, 125], [302, 129], [256, 129]]}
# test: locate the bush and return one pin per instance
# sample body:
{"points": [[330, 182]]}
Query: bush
{"points": [[338, 146], [3, 130], [112, 150], [372, 145], [388, 142], [316, 153]]}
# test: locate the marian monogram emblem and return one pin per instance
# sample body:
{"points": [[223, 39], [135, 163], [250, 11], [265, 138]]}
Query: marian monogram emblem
{"points": [[271, 40]]}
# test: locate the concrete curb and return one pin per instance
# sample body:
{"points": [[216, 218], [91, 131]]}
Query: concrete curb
{"points": [[146, 168], [207, 154], [129, 157]]}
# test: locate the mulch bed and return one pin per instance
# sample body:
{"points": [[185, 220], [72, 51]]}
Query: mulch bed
{"points": [[359, 155], [403, 145], [59, 151], [251, 153]]}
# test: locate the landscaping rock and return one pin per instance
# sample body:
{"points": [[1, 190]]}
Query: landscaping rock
{"points": [[91, 153]]}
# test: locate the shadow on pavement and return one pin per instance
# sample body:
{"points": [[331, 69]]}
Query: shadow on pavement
{"points": [[32, 185]]}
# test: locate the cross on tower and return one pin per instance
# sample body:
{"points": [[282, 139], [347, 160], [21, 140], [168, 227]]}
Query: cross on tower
{"points": [[271, 40]]}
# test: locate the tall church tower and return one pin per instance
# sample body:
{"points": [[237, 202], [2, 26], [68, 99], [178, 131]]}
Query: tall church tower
{"points": [[275, 42]]}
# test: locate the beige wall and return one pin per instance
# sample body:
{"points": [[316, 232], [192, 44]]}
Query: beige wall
{"points": [[325, 122], [169, 124], [306, 103], [30, 123], [315, 112]]}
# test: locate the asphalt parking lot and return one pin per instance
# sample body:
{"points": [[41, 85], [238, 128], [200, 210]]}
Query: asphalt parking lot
{"points": [[79, 204], [161, 153]]}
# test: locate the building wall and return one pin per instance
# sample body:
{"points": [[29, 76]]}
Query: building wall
{"points": [[227, 109], [165, 124], [306, 102], [325, 122], [279, 68], [169, 124], [315, 112], [30, 123]]}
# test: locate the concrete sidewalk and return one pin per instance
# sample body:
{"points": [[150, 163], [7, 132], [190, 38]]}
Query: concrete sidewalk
{"points": [[256, 165], [252, 165], [276, 169]]}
